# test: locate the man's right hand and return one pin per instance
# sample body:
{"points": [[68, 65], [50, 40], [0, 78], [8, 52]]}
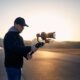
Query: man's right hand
{"points": [[34, 48], [29, 56]]}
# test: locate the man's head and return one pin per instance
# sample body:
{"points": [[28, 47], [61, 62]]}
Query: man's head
{"points": [[19, 24]]}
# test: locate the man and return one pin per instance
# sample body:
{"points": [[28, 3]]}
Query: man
{"points": [[15, 49]]}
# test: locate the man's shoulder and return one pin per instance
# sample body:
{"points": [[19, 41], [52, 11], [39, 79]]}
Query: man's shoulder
{"points": [[10, 35]]}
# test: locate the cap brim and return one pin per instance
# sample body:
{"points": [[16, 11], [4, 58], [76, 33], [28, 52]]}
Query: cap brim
{"points": [[26, 25]]}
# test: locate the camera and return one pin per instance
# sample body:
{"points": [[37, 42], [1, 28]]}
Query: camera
{"points": [[45, 36]]}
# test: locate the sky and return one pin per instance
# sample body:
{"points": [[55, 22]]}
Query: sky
{"points": [[60, 16]]}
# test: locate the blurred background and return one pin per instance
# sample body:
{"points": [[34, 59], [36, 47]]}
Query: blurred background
{"points": [[58, 60]]}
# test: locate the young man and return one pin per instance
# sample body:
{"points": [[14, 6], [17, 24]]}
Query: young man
{"points": [[15, 49]]}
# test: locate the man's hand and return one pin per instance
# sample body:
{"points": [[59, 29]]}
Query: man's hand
{"points": [[39, 44], [29, 56], [34, 49]]}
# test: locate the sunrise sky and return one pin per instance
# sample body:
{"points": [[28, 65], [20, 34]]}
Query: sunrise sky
{"points": [[61, 16]]}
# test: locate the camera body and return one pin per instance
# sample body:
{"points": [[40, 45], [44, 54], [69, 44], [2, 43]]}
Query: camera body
{"points": [[46, 36]]}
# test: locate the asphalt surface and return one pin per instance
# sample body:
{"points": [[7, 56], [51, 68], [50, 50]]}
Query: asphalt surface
{"points": [[47, 66]]}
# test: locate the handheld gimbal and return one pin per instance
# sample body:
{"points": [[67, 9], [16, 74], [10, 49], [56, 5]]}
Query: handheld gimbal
{"points": [[44, 36]]}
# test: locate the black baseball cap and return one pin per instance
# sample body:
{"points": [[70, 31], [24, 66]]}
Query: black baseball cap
{"points": [[21, 21]]}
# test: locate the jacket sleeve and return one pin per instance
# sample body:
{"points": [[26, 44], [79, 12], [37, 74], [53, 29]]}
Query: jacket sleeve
{"points": [[21, 50]]}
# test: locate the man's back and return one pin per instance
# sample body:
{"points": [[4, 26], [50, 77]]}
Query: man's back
{"points": [[11, 42]]}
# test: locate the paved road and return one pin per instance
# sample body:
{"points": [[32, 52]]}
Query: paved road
{"points": [[47, 66], [52, 66], [2, 69]]}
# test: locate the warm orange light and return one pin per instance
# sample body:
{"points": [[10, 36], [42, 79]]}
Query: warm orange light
{"points": [[48, 23]]}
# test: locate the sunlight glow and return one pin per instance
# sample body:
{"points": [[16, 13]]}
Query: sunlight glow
{"points": [[48, 23], [45, 55], [60, 16]]}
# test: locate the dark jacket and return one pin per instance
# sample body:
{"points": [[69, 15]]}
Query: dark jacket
{"points": [[14, 49]]}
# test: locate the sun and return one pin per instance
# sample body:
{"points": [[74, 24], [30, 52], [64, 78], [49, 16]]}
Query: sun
{"points": [[62, 35], [63, 31]]}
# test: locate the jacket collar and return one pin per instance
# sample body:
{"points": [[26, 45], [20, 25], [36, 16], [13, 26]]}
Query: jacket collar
{"points": [[13, 29]]}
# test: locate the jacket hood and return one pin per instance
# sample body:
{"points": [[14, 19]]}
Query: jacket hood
{"points": [[13, 29]]}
